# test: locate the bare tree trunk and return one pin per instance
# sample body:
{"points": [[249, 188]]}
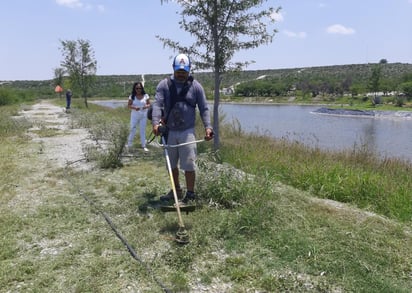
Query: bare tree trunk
{"points": [[216, 142]]}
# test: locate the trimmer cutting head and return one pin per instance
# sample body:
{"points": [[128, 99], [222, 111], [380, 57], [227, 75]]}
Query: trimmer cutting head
{"points": [[183, 208], [182, 237]]}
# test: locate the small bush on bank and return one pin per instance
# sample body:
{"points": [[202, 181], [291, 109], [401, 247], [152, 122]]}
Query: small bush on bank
{"points": [[108, 132], [108, 140]]}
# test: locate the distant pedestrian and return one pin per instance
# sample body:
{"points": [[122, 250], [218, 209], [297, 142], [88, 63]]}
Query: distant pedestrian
{"points": [[139, 103], [68, 99]]}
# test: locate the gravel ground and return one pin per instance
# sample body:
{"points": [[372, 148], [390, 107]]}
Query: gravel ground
{"points": [[64, 147]]}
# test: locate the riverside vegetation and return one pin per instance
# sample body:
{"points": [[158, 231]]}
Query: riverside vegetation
{"points": [[347, 84], [274, 216]]}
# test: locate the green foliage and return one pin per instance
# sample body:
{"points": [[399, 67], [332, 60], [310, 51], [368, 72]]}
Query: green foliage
{"points": [[107, 133], [224, 191], [10, 95], [230, 26], [29, 90], [324, 81], [399, 101], [58, 76], [406, 88], [7, 96], [374, 82], [80, 64], [267, 87]]}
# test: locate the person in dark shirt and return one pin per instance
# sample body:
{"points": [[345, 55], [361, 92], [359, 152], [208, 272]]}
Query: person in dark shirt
{"points": [[68, 99], [180, 114]]}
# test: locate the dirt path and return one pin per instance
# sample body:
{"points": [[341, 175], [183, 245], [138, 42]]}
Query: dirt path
{"points": [[64, 144], [55, 143]]}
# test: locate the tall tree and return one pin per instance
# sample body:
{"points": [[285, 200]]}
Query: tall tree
{"points": [[374, 82], [220, 29], [58, 78], [80, 64]]}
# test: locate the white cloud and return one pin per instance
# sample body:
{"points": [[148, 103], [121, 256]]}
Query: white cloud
{"points": [[79, 4], [300, 35], [340, 29], [70, 3], [277, 16], [100, 8]]}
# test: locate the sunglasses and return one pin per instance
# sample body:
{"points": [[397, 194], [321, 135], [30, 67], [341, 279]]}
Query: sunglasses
{"points": [[138, 88]]}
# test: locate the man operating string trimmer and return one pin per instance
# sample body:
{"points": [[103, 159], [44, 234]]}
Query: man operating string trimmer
{"points": [[178, 96]]}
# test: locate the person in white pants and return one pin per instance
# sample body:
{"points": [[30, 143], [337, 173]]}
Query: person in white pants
{"points": [[138, 103]]}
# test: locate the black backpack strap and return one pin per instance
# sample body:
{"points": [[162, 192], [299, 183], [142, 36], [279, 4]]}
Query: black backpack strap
{"points": [[181, 97]]}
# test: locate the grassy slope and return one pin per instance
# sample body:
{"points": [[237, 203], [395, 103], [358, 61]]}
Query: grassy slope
{"points": [[252, 233], [120, 85]]}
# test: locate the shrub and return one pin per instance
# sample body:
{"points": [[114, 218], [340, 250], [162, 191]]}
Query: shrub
{"points": [[7, 96], [108, 138]]}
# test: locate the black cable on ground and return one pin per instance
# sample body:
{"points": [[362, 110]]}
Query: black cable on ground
{"points": [[115, 230]]}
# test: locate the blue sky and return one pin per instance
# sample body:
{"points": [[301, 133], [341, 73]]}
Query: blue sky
{"points": [[122, 33]]}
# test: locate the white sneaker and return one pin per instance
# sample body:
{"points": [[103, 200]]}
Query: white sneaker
{"points": [[145, 149]]}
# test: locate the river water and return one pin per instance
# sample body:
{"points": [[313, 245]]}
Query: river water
{"points": [[386, 135]]}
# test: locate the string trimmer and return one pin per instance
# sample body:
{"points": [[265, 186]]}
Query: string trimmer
{"points": [[182, 236]]}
